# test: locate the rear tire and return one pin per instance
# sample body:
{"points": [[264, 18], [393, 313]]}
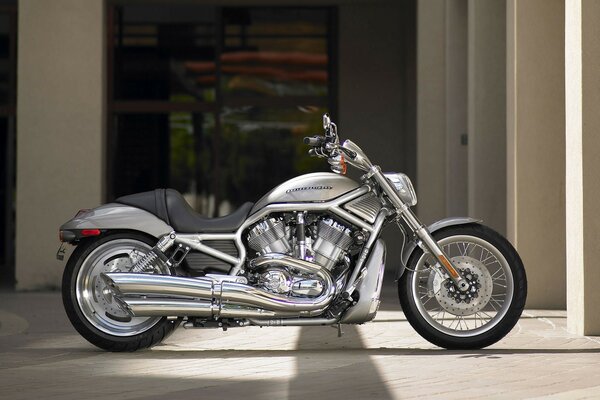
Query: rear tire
{"points": [[427, 298], [109, 330]]}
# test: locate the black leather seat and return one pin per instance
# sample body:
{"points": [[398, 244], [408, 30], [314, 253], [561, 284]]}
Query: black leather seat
{"points": [[170, 206]]}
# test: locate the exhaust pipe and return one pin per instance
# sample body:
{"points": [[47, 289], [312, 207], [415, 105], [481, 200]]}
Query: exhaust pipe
{"points": [[176, 307], [182, 296]]}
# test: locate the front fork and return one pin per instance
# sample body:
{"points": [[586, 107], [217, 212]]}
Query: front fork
{"points": [[426, 241]]}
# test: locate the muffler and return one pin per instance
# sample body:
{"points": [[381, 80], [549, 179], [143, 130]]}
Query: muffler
{"points": [[164, 295]]}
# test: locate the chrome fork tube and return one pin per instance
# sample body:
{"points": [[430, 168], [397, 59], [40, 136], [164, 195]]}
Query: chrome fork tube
{"points": [[426, 240]]}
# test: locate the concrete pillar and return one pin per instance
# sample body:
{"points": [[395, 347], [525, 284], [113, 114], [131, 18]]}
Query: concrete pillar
{"points": [[536, 140], [60, 106], [582, 63], [456, 108], [441, 108], [487, 112], [431, 109]]}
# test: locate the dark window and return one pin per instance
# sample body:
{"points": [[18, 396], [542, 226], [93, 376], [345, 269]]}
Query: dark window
{"points": [[8, 20], [213, 101]]}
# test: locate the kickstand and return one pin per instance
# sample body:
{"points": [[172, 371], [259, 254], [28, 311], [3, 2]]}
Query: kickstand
{"points": [[340, 333]]}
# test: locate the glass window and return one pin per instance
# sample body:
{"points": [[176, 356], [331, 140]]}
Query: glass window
{"points": [[159, 52], [214, 102], [8, 20]]}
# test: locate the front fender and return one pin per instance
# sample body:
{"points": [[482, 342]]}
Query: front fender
{"points": [[115, 216], [410, 246]]}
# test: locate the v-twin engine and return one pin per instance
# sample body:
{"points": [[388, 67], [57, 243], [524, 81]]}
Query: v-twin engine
{"points": [[326, 241]]}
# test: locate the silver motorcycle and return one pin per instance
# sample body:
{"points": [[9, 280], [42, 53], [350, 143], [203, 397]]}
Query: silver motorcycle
{"points": [[307, 253]]}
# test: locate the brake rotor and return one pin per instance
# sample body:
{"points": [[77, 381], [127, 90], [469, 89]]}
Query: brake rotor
{"points": [[464, 303]]}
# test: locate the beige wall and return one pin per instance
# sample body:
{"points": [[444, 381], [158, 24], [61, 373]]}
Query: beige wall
{"points": [[60, 122], [431, 110], [582, 49], [536, 156], [487, 112], [456, 107]]}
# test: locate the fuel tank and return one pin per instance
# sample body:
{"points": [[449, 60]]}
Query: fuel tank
{"points": [[309, 188]]}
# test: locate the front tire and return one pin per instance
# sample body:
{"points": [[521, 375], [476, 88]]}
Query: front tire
{"points": [[452, 319], [90, 307]]}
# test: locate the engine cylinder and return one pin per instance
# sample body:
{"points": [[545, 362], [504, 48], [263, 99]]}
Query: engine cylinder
{"points": [[333, 240], [269, 236]]}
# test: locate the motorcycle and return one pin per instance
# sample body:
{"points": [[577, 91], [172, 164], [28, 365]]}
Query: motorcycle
{"points": [[307, 253]]}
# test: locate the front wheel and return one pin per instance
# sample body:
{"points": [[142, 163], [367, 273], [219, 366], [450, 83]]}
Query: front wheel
{"points": [[449, 318]]}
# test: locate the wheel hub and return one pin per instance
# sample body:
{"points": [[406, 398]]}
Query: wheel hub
{"points": [[104, 295], [458, 302]]}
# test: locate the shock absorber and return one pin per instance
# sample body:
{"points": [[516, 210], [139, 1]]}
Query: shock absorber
{"points": [[156, 257]]}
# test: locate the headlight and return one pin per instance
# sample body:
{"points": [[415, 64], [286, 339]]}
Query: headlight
{"points": [[404, 187]]}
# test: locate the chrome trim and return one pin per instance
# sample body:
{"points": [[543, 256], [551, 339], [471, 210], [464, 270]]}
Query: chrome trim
{"points": [[189, 308], [293, 321], [183, 294], [443, 223]]}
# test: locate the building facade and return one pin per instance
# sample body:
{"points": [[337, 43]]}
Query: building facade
{"points": [[468, 97]]}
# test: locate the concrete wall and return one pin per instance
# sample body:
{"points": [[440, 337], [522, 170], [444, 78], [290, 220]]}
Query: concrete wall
{"points": [[582, 49], [373, 101], [431, 109], [456, 107], [487, 112], [536, 143], [60, 123]]}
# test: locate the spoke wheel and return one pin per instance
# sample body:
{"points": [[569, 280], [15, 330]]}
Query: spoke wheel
{"points": [[478, 317]]}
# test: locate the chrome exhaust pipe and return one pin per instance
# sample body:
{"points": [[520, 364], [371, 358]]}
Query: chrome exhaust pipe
{"points": [[182, 296], [186, 308]]}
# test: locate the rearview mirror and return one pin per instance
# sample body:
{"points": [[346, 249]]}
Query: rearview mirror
{"points": [[326, 121]]}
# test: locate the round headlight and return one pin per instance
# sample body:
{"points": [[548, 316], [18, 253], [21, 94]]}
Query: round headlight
{"points": [[404, 187]]}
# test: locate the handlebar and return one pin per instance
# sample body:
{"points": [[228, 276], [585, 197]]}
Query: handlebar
{"points": [[314, 141], [318, 144]]}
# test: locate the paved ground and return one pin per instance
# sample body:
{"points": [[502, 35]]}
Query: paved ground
{"points": [[42, 357]]}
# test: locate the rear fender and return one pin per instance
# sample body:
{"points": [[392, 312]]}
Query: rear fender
{"points": [[410, 246], [114, 216]]}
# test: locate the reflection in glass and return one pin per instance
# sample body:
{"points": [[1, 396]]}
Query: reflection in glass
{"points": [[5, 61], [222, 99], [153, 46], [6, 193]]}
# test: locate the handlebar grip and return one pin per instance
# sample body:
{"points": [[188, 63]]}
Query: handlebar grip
{"points": [[314, 141]]}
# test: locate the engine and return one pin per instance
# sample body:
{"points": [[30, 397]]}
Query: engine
{"points": [[321, 240]]}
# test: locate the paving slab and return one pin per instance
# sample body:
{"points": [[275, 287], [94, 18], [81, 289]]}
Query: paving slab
{"points": [[42, 357]]}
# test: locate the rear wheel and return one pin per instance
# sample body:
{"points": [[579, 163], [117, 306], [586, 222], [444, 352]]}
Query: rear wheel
{"points": [[449, 318], [89, 303]]}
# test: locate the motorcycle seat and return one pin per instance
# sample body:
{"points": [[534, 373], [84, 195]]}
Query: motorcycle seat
{"points": [[170, 206]]}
